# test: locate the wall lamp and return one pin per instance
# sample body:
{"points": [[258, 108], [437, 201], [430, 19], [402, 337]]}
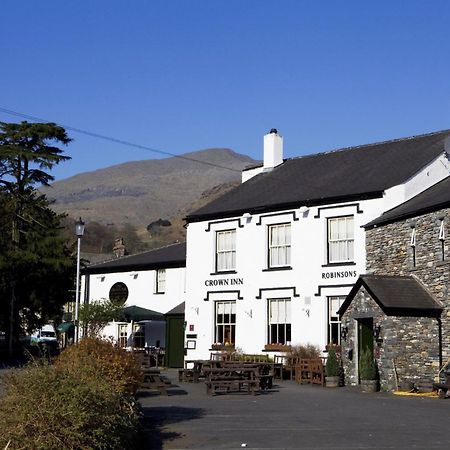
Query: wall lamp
{"points": [[377, 331], [344, 333]]}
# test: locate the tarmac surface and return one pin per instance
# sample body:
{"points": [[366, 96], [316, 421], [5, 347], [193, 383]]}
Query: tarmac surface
{"points": [[292, 416]]}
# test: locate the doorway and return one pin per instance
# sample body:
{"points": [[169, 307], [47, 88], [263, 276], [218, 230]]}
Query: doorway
{"points": [[365, 338]]}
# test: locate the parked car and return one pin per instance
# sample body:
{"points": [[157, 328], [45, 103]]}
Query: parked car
{"points": [[45, 335]]}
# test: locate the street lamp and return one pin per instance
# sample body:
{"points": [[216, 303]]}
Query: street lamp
{"points": [[79, 231]]}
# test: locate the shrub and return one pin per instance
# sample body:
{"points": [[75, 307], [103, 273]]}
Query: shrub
{"points": [[333, 365], [94, 316], [367, 367], [119, 367], [47, 407], [308, 351]]}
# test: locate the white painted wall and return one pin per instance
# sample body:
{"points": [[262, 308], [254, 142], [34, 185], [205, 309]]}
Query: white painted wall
{"points": [[312, 281], [142, 292], [308, 255]]}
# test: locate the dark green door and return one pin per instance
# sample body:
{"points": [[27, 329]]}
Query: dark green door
{"points": [[365, 337], [175, 342]]}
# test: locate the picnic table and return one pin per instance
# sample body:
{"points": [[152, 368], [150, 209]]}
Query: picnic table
{"points": [[193, 370], [151, 376], [232, 378]]}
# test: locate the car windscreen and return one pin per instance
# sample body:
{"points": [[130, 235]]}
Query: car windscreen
{"points": [[48, 334]]}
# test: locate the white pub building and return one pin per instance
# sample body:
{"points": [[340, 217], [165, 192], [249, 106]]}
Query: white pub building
{"points": [[269, 263]]}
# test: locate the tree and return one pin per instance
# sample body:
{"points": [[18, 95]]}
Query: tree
{"points": [[94, 316], [34, 262]]}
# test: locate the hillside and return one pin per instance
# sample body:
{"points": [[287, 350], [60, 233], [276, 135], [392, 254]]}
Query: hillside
{"points": [[141, 192], [145, 201]]}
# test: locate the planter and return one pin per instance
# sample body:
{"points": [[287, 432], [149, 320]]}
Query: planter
{"points": [[277, 347], [223, 347], [369, 385], [331, 382]]}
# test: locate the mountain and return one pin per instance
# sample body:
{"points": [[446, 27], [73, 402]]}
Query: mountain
{"points": [[142, 192]]}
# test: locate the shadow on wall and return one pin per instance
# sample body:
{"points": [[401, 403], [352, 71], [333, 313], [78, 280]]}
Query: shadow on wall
{"points": [[156, 419]]}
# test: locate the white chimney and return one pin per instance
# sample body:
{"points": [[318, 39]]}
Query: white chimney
{"points": [[273, 149]]}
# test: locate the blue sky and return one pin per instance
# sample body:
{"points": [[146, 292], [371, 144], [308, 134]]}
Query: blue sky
{"points": [[187, 75]]}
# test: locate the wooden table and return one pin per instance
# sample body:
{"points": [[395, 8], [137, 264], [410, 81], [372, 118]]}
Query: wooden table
{"points": [[195, 372], [231, 378]]}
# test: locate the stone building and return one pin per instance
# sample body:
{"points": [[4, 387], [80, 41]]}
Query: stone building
{"points": [[401, 308]]}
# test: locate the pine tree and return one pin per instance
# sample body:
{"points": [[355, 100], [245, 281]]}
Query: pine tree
{"points": [[34, 262]]}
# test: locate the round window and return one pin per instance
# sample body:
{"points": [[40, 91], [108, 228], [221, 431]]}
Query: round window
{"points": [[118, 293]]}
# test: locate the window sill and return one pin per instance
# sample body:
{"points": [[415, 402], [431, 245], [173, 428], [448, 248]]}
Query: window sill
{"points": [[274, 269], [276, 348], [225, 272], [337, 264], [227, 348]]}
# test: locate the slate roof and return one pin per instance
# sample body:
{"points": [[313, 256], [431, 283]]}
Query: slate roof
{"points": [[179, 309], [340, 175], [165, 257], [396, 295], [434, 198]]}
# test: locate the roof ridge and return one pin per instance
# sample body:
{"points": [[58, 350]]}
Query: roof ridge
{"points": [[372, 144], [384, 275], [136, 254]]}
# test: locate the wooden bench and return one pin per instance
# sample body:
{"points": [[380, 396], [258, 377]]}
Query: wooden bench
{"points": [[232, 379], [152, 379], [188, 375], [265, 381], [310, 371]]}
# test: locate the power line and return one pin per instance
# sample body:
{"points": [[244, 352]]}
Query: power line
{"points": [[115, 140]]}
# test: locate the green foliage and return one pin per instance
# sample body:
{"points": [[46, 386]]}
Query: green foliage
{"points": [[94, 316], [119, 367], [99, 238], [333, 363], [41, 256], [367, 366], [49, 407], [31, 251], [27, 150], [308, 351]]}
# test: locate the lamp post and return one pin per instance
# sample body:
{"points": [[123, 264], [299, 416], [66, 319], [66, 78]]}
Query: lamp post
{"points": [[79, 231]]}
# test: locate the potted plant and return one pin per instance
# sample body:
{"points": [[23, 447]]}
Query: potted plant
{"points": [[332, 368], [368, 371]]}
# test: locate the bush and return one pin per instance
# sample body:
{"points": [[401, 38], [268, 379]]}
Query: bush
{"points": [[307, 351], [367, 367], [333, 365], [119, 367], [48, 407]]}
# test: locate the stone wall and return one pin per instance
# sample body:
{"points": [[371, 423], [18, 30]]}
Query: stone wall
{"points": [[407, 347], [389, 253]]}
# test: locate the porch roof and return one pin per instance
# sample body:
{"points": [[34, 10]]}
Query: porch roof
{"points": [[396, 295]]}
